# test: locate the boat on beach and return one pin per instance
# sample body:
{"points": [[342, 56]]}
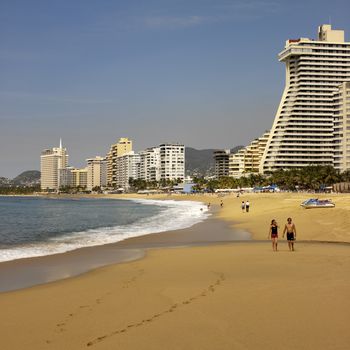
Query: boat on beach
{"points": [[317, 203]]}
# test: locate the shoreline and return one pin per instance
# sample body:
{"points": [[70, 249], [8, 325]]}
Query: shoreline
{"points": [[28, 272], [169, 215]]}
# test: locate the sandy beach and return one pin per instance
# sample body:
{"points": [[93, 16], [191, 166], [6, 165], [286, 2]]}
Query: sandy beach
{"points": [[203, 295]]}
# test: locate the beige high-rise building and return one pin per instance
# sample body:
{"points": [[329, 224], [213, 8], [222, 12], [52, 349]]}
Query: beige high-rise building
{"points": [[51, 161], [96, 172], [302, 132], [247, 160], [342, 127], [79, 178], [124, 145]]}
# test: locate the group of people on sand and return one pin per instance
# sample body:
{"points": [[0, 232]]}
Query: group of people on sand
{"points": [[221, 205], [289, 228]]}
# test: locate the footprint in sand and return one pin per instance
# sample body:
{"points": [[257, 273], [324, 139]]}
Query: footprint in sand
{"points": [[171, 309], [131, 280]]}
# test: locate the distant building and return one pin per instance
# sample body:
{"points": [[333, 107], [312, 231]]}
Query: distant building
{"points": [[96, 172], [302, 132], [165, 162], [172, 161], [237, 164], [52, 161], [150, 166], [66, 177], [341, 100], [127, 167], [221, 158], [79, 178], [247, 160], [242, 163], [124, 145]]}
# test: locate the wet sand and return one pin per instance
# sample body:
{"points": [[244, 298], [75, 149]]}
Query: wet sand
{"points": [[24, 273]]}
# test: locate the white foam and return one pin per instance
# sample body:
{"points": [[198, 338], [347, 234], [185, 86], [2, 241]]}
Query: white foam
{"points": [[177, 215]]}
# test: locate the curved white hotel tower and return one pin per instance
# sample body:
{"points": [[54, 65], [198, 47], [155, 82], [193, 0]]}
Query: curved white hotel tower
{"points": [[302, 132]]}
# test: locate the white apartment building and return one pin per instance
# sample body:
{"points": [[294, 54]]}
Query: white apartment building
{"points": [[127, 166], [166, 162], [172, 161], [236, 164], [96, 172], [302, 132], [149, 166], [51, 161], [342, 127]]}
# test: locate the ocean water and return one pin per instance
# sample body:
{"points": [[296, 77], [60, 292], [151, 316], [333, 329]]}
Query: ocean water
{"points": [[31, 226]]}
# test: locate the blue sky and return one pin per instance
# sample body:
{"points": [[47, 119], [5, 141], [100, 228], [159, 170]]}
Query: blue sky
{"points": [[201, 72]]}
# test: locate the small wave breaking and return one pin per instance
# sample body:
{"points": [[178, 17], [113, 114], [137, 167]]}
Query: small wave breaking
{"points": [[174, 215]]}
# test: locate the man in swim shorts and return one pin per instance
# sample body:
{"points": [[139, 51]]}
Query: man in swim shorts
{"points": [[291, 233]]}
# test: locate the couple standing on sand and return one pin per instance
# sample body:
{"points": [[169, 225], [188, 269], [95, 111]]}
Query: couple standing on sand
{"points": [[245, 206], [289, 227]]}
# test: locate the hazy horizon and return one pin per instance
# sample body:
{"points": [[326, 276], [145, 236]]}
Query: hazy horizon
{"points": [[200, 72]]}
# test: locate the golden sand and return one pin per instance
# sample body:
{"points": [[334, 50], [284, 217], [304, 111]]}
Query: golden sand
{"points": [[231, 296], [322, 224]]}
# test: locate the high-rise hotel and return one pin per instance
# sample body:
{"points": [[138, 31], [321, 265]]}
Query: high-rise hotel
{"points": [[53, 162], [305, 130]]}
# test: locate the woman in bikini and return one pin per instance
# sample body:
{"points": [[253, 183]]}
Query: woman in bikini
{"points": [[291, 233], [273, 234]]}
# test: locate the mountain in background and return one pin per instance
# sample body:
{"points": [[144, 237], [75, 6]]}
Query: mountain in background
{"points": [[4, 181], [201, 162], [27, 178]]}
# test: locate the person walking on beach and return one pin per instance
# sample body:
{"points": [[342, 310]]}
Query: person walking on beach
{"points": [[243, 206], [291, 233], [273, 234], [247, 205], [221, 204]]}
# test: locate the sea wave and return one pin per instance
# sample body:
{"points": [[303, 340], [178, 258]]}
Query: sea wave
{"points": [[174, 216]]}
